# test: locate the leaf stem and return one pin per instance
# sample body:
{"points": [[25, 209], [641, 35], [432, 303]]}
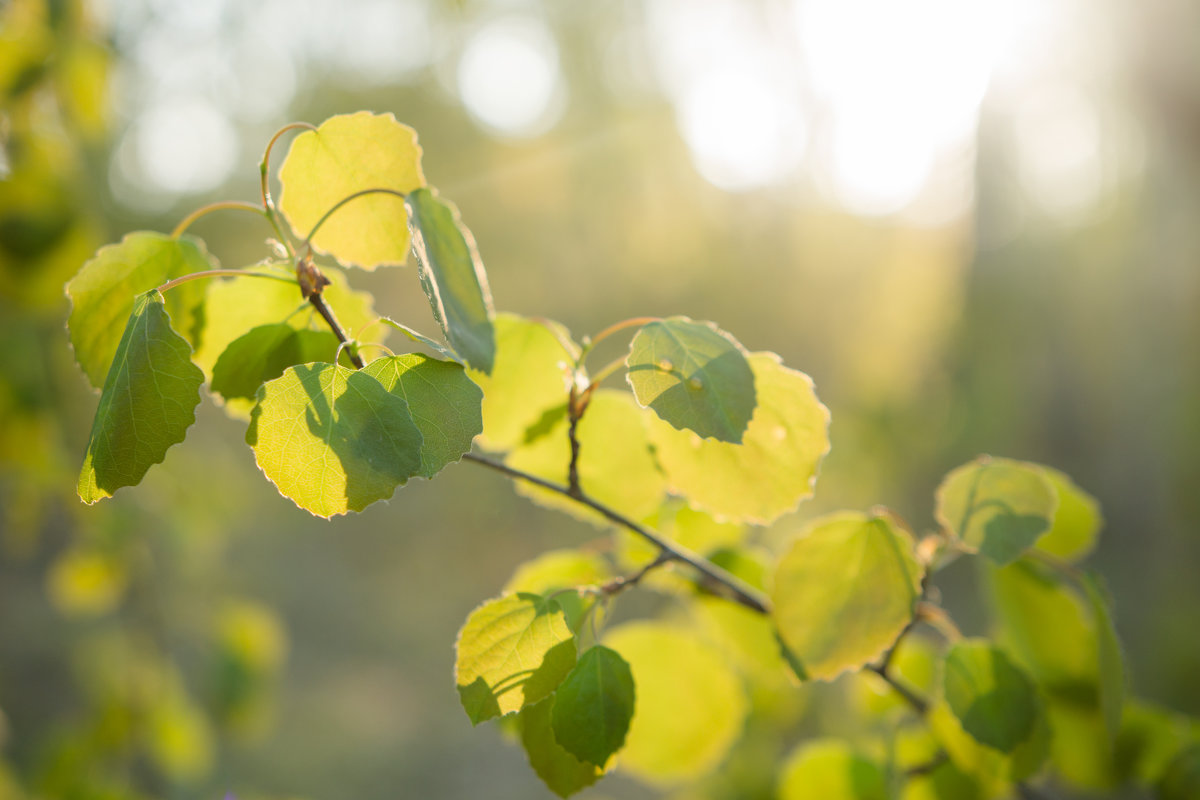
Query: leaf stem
{"points": [[918, 703], [219, 273], [263, 166], [738, 591], [187, 221], [343, 202], [635, 322], [608, 369], [623, 582]]}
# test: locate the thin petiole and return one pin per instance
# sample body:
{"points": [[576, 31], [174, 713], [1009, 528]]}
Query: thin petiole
{"points": [[264, 165], [222, 273], [616, 327], [607, 370], [187, 221], [343, 202]]}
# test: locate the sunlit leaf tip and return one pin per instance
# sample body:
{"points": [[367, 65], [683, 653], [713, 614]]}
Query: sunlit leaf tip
{"points": [[694, 375], [148, 402]]}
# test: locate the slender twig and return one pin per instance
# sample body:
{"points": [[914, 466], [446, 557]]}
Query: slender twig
{"points": [[926, 767], [343, 202], [623, 582], [937, 618], [738, 591], [187, 221], [577, 403], [918, 703], [222, 273], [327, 313]]}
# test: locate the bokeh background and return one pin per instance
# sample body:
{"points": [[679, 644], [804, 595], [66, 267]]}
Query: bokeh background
{"points": [[975, 223]]}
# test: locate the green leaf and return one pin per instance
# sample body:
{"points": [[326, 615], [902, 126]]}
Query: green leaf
{"points": [[616, 465], [562, 772], [844, 591], [996, 506], [1150, 737], [148, 402], [831, 770], [774, 467], [512, 651], [531, 375], [593, 706], [332, 439], [694, 376], [103, 293], [444, 403], [917, 748], [993, 768], [234, 306], [264, 353], [453, 278], [556, 570], [690, 704], [1112, 668], [347, 154], [1077, 521], [993, 699]]}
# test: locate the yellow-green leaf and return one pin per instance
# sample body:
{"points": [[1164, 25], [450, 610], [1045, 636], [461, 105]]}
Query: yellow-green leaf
{"points": [[690, 703], [616, 465], [453, 278], [103, 293], [774, 467], [443, 401], [148, 402], [991, 767], [996, 506], [844, 591], [512, 652], [531, 376], [694, 375], [332, 439], [1077, 521], [344, 155], [830, 769]]}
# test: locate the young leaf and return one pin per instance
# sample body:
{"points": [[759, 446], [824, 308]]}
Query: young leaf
{"points": [[993, 699], [443, 401], [332, 439], [1077, 521], [148, 402], [593, 706], [831, 770], [996, 506], [264, 353], [774, 467], [512, 651], [562, 772], [844, 591], [694, 375], [616, 465], [690, 703], [344, 155], [103, 292], [453, 278], [1111, 665], [556, 570], [531, 375]]}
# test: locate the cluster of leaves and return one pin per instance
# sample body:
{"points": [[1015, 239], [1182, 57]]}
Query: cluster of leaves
{"points": [[709, 443]]}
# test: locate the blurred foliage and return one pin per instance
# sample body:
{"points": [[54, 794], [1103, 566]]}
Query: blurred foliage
{"points": [[170, 645]]}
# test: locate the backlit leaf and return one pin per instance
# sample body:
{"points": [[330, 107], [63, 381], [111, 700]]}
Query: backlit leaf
{"points": [[453, 278], [993, 699], [996, 506], [103, 293], [991, 767], [774, 467], [264, 353], [443, 401], [844, 591], [593, 706], [831, 770], [562, 772], [148, 402], [344, 155], [616, 465], [333, 439], [1112, 668], [690, 703], [531, 375], [557, 570], [694, 375], [1076, 522], [512, 651]]}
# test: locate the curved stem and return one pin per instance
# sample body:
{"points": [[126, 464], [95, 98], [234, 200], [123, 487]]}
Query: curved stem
{"points": [[200, 212], [738, 591], [635, 322], [219, 273], [607, 370], [264, 165], [343, 202]]}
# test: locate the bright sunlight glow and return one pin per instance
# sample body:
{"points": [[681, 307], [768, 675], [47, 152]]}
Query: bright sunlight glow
{"points": [[509, 77]]}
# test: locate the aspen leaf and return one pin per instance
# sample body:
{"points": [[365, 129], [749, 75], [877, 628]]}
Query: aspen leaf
{"points": [[512, 651], [346, 154], [593, 706], [1077, 520], [148, 402], [992, 698], [563, 773], [263, 353], [829, 769], [694, 375]]}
